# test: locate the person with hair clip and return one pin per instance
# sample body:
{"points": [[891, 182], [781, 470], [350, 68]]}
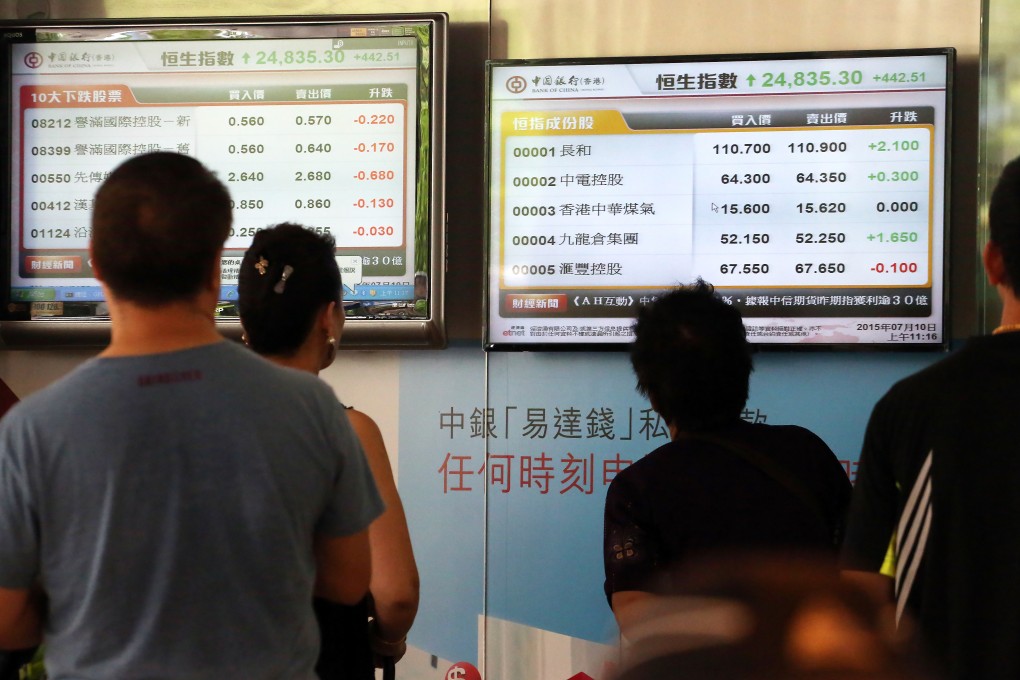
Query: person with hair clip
{"points": [[168, 508], [289, 296]]}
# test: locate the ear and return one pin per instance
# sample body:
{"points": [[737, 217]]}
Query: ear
{"points": [[325, 320], [92, 263], [337, 317], [995, 267], [217, 275]]}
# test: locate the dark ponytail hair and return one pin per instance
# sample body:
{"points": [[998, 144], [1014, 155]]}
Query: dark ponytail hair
{"points": [[287, 275]]}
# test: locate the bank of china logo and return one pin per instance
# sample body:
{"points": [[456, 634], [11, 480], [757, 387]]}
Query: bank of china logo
{"points": [[516, 84], [33, 60]]}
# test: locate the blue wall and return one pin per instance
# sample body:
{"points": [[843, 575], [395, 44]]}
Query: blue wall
{"points": [[555, 427]]}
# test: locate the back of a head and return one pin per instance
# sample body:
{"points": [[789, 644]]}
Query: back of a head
{"points": [[1004, 220], [158, 227], [288, 274], [691, 358]]}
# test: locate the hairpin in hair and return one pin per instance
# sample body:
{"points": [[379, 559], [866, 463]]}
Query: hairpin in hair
{"points": [[287, 271], [261, 265]]}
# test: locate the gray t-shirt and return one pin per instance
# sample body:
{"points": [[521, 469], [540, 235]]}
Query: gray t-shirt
{"points": [[167, 503]]}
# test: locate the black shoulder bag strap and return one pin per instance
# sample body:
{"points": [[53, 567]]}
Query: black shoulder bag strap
{"points": [[11, 663], [776, 472]]}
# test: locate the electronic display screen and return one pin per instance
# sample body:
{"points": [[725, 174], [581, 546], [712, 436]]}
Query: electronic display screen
{"points": [[809, 189], [332, 123]]}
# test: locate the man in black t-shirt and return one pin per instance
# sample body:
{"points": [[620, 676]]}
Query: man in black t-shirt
{"points": [[936, 513], [721, 484]]}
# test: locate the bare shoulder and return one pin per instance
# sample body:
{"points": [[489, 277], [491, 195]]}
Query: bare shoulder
{"points": [[363, 423], [372, 443]]}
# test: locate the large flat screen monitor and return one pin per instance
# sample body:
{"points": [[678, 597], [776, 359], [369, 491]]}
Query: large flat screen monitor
{"points": [[332, 122], [809, 189]]}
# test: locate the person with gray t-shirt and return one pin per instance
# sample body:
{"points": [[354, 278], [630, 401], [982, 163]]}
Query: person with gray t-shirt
{"points": [[168, 509]]}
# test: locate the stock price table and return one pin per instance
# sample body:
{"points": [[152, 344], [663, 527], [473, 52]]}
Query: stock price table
{"points": [[332, 158], [798, 213]]}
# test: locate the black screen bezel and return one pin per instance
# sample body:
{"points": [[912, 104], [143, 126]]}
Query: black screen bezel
{"points": [[493, 344], [19, 329]]}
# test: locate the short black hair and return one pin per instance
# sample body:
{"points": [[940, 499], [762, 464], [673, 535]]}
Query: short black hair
{"points": [[691, 358], [1004, 220], [278, 310], [158, 226]]}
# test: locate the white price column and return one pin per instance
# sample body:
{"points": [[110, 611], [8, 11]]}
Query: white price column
{"points": [[836, 207], [337, 166]]}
